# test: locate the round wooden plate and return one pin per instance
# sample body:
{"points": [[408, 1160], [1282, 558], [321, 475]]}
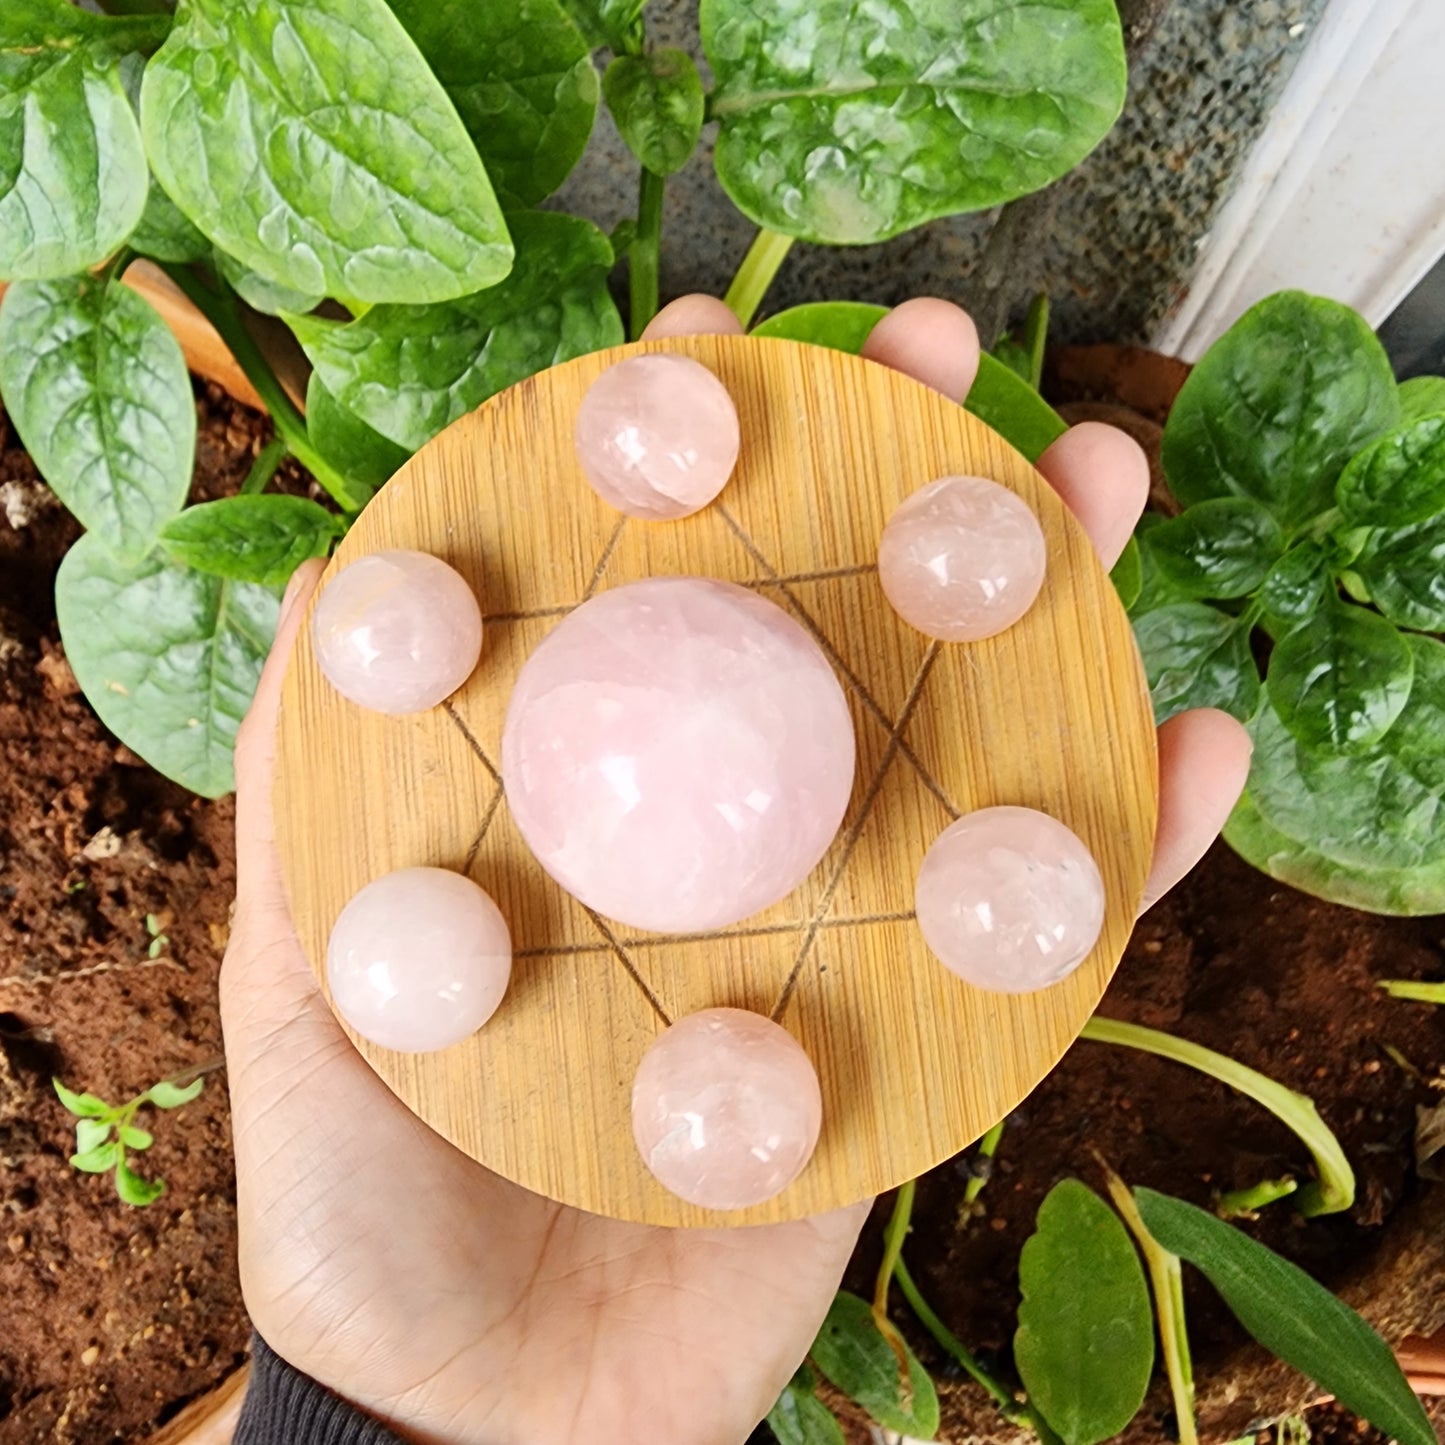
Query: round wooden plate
{"points": [[1053, 714]]}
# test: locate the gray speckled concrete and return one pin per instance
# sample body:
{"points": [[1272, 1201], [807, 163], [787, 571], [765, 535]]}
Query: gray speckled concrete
{"points": [[1127, 223]]}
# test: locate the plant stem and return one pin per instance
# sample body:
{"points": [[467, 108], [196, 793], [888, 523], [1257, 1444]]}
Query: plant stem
{"points": [[755, 275], [1416, 992], [264, 467], [893, 1237], [1246, 1203], [987, 1148], [1167, 1279], [1036, 336], [1335, 1188], [645, 259]]}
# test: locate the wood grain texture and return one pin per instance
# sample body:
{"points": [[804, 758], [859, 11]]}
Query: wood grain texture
{"points": [[1052, 714]]}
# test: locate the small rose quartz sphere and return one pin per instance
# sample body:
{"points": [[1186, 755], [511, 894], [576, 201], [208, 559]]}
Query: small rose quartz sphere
{"points": [[962, 559], [397, 632], [1010, 899], [419, 960], [678, 754], [657, 436], [726, 1109]]}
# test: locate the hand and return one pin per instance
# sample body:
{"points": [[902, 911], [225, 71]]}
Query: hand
{"points": [[458, 1307]]}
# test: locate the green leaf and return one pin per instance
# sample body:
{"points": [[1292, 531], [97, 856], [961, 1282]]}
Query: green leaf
{"points": [[1296, 586], [522, 80], [83, 1106], [410, 371], [1085, 1342], [841, 325], [614, 23], [135, 1190], [1024, 356], [90, 1134], [168, 657], [847, 124], [1422, 396], [311, 142], [1221, 548], [1013, 409], [1277, 407], [852, 1353], [800, 1417], [1380, 808], [261, 294], [138, 1139], [165, 234], [73, 175], [1196, 656], [1340, 679], [251, 539], [1294, 1318], [367, 459], [1398, 479], [97, 387], [657, 100], [1127, 574], [97, 1160], [1404, 570], [166, 1095]]}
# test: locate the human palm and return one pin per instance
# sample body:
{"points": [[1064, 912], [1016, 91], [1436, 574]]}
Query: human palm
{"points": [[457, 1306]]}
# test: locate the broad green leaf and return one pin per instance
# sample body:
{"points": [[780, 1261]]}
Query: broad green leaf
{"points": [[261, 294], [90, 1134], [309, 140], [1127, 574], [83, 1106], [521, 77], [135, 1190], [97, 1160], [73, 175], [1013, 409], [1196, 656], [1221, 548], [800, 1417], [1407, 891], [251, 539], [1296, 586], [1398, 479], [852, 1353], [1381, 808], [1277, 407], [367, 459], [1340, 679], [841, 325], [97, 387], [1404, 570], [1085, 1342], [657, 101], [847, 124], [410, 371], [1155, 589], [138, 1139], [168, 657], [614, 23], [166, 1095], [1293, 1317], [1422, 396], [165, 234]]}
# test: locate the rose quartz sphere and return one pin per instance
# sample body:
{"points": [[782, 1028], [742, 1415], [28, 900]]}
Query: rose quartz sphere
{"points": [[657, 436], [1010, 899], [419, 960], [726, 1109], [678, 754], [962, 559], [397, 632]]}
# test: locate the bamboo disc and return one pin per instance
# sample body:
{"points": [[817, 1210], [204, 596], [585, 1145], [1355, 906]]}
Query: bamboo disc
{"points": [[1052, 714]]}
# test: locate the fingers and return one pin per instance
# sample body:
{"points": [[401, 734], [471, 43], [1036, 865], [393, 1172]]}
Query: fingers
{"points": [[933, 341], [1203, 764], [693, 316], [1103, 477]]}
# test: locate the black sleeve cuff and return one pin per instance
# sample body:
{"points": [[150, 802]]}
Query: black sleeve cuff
{"points": [[285, 1407]]}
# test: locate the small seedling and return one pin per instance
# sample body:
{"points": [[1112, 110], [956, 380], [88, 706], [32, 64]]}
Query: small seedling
{"points": [[104, 1132], [158, 939], [1407, 988]]}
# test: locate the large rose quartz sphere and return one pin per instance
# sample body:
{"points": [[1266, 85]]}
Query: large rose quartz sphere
{"points": [[678, 754], [962, 559], [397, 632], [1010, 899], [657, 436], [419, 960], [726, 1109]]}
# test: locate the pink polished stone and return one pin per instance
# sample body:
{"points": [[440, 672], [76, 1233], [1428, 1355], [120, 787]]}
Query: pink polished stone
{"points": [[1010, 899], [397, 632], [962, 559], [657, 436], [419, 960], [726, 1109], [678, 754]]}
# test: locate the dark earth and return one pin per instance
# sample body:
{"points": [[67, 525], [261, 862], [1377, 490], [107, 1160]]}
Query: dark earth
{"points": [[114, 1318]]}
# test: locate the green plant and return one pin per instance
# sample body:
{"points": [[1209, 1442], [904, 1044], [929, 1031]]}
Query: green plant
{"points": [[385, 157], [1313, 532], [105, 1132]]}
